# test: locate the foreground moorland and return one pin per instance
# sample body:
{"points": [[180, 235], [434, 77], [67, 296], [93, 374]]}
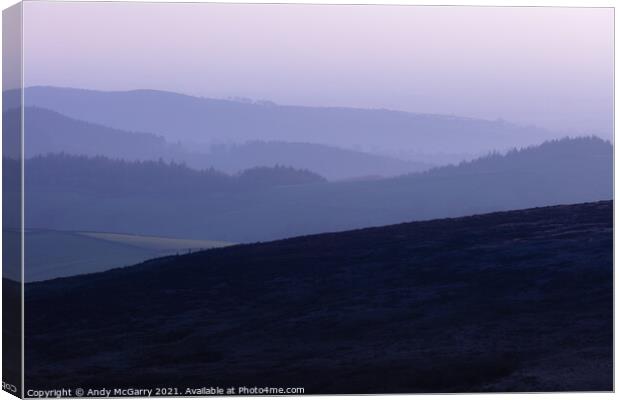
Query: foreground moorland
{"points": [[510, 301]]}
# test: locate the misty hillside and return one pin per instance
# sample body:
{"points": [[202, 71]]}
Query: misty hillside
{"points": [[514, 301], [51, 132], [106, 177], [331, 162], [203, 120], [560, 172], [552, 155]]}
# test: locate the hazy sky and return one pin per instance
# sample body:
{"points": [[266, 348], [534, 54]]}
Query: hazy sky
{"points": [[551, 67]]}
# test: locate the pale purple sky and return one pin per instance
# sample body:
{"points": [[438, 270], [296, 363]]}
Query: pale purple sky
{"points": [[551, 67]]}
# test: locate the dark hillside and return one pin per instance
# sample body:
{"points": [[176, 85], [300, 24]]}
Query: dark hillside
{"points": [[11, 331], [512, 301], [278, 175], [117, 178], [555, 155]]}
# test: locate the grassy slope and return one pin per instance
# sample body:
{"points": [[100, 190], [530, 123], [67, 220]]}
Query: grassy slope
{"points": [[52, 254], [514, 301], [156, 243]]}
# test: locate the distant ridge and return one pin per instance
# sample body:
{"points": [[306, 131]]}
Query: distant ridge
{"points": [[195, 119], [51, 132]]}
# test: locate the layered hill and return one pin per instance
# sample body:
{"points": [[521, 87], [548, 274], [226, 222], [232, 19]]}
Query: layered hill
{"points": [[196, 119], [101, 176], [334, 163], [51, 132], [47, 132], [511, 301], [78, 196]]}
